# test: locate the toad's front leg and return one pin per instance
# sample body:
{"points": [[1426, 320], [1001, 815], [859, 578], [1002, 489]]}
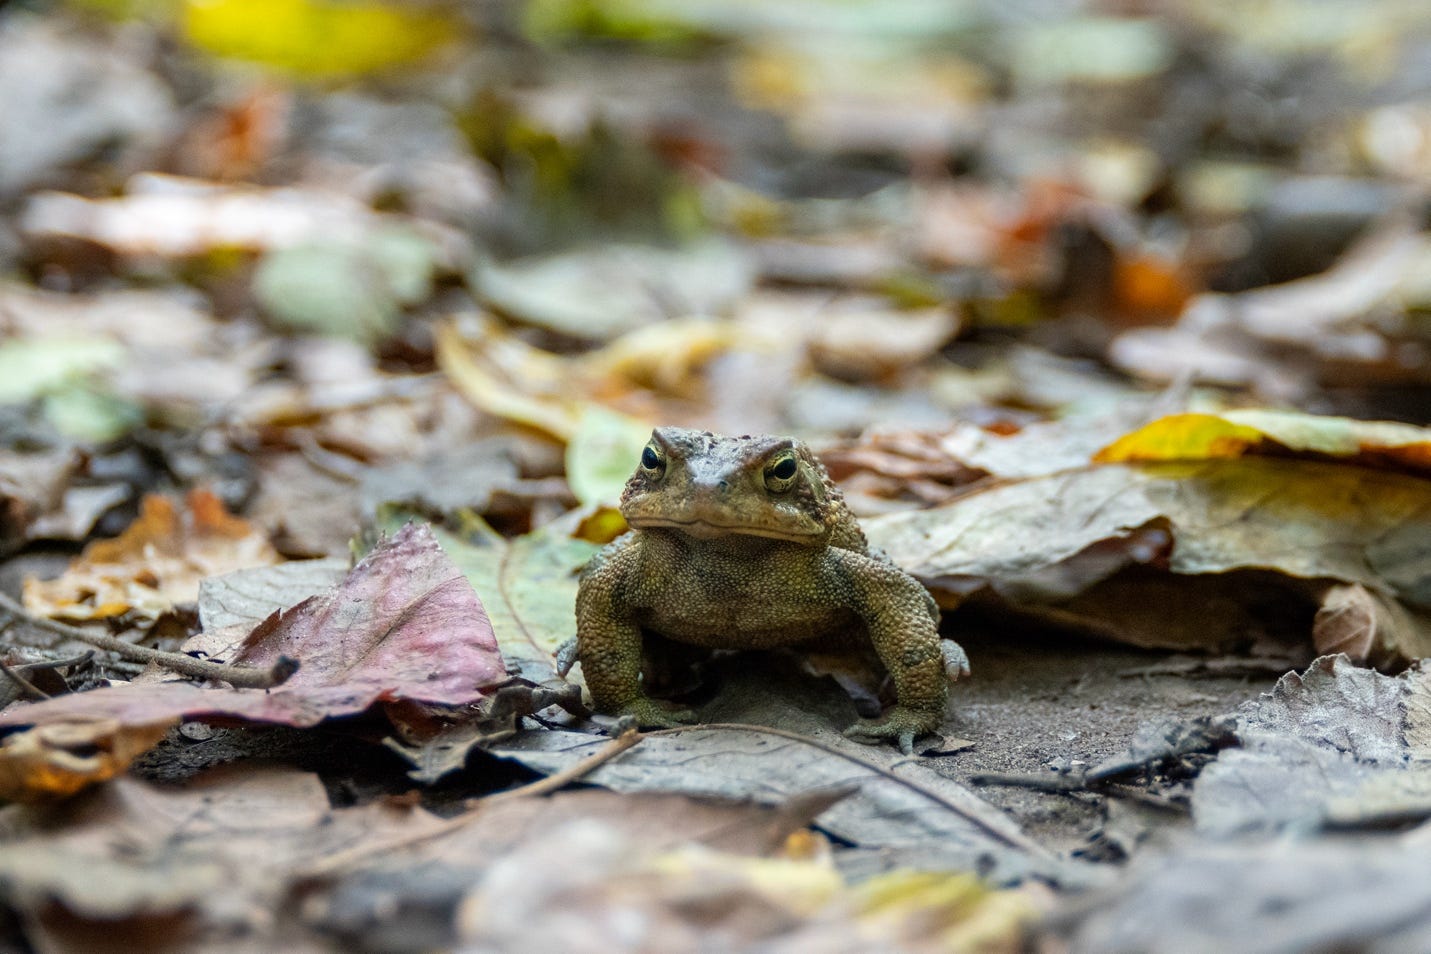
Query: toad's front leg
{"points": [[608, 645], [903, 625]]}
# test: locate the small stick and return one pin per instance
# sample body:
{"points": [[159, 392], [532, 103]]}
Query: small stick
{"points": [[26, 686], [542, 786], [572, 773], [244, 677], [1012, 841]]}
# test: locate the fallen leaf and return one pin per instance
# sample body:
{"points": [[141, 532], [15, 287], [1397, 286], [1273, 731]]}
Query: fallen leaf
{"points": [[529, 586], [1333, 747], [57, 760], [933, 822], [240, 600], [353, 287], [602, 454], [220, 852], [584, 878], [155, 564], [1276, 433], [506, 377], [600, 293], [69, 92], [319, 38], [1041, 543], [861, 341], [170, 217], [403, 625], [1283, 896]]}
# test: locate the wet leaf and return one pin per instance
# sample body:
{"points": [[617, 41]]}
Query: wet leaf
{"points": [[155, 564], [57, 760], [402, 625]]}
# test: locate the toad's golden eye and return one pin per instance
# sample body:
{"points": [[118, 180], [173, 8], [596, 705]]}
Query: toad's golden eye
{"points": [[650, 459], [780, 476]]}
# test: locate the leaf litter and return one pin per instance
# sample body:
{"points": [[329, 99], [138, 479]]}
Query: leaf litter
{"points": [[457, 267]]}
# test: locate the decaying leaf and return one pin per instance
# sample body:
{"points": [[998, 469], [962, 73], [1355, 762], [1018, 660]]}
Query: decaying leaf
{"points": [[402, 625], [220, 852], [931, 822], [1285, 896], [1045, 544], [155, 564], [1334, 746], [59, 759]]}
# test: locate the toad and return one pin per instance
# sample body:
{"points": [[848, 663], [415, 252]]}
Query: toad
{"points": [[745, 543]]}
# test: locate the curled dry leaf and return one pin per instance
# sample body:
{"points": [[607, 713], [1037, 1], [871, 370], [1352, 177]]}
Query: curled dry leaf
{"points": [[60, 759], [1335, 746], [1091, 547], [403, 625], [156, 563]]}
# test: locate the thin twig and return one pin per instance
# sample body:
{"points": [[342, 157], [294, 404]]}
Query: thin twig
{"points": [[246, 677], [26, 686], [880, 770], [1077, 784], [545, 786], [542, 786]]}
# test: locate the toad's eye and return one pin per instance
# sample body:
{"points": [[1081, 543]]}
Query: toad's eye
{"points": [[780, 476], [650, 459]]}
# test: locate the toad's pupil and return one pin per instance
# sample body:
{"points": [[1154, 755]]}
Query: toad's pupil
{"points": [[784, 470], [649, 460]]}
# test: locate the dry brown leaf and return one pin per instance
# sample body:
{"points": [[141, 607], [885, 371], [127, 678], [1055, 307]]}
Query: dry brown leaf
{"points": [[157, 563], [59, 759], [1093, 546]]}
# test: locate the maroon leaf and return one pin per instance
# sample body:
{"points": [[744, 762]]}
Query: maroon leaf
{"points": [[403, 625]]}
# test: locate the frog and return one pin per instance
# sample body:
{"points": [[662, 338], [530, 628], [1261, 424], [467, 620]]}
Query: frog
{"points": [[745, 543]]}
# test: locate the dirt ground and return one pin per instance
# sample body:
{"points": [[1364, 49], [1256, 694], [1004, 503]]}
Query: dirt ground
{"points": [[1041, 702]]}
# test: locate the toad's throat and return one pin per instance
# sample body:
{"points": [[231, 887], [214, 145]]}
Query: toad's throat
{"points": [[707, 529]]}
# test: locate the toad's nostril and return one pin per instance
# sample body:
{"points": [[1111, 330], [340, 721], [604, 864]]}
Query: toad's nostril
{"points": [[724, 485]]}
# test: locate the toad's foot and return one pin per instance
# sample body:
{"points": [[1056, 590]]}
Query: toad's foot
{"points": [[902, 726], [650, 714]]}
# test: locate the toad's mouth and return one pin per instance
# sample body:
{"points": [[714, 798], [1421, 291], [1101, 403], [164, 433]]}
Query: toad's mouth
{"points": [[706, 529]]}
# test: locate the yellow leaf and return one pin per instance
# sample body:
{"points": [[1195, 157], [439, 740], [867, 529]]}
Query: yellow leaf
{"points": [[318, 38], [1238, 433], [508, 378]]}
